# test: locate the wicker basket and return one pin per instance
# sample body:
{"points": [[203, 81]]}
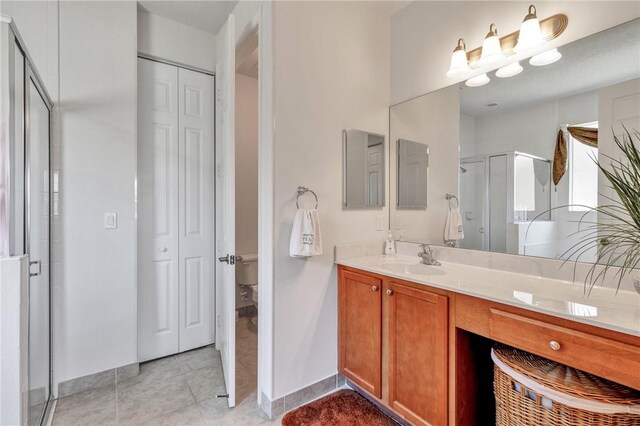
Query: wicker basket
{"points": [[534, 391]]}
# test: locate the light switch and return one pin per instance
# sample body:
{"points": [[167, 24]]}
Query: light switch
{"points": [[398, 221], [110, 221], [379, 223]]}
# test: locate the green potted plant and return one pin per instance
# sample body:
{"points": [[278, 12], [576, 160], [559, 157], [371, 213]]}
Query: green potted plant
{"points": [[616, 233]]}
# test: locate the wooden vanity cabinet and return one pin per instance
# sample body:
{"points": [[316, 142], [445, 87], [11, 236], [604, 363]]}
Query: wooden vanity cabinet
{"points": [[417, 348], [360, 330], [412, 378]]}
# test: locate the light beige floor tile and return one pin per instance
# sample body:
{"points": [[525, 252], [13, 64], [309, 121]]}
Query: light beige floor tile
{"points": [[152, 370], [85, 399], [187, 416], [206, 382], [247, 413], [101, 411], [198, 358], [145, 401]]}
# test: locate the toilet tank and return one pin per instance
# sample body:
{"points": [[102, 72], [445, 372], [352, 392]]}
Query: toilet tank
{"points": [[247, 270]]}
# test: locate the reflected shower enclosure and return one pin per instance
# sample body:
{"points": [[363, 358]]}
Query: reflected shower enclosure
{"points": [[504, 196], [25, 203]]}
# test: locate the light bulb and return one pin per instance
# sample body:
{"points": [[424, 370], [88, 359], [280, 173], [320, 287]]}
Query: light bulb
{"points": [[545, 58], [509, 70], [530, 35], [459, 63], [477, 81], [491, 49]]}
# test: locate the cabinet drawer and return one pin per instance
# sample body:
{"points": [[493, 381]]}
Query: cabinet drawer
{"points": [[603, 357]]}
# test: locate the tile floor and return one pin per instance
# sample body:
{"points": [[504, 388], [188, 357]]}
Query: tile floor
{"points": [[176, 390]]}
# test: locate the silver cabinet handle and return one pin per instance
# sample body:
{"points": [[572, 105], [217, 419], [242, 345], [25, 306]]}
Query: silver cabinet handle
{"points": [[163, 249], [554, 345], [389, 292], [374, 288]]}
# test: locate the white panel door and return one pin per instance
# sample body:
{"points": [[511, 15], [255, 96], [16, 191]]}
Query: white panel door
{"points": [[225, 203], [158, 329], [196, 192]]}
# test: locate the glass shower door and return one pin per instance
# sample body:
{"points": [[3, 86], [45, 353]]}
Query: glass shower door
{"points": [[473, 199], [37, 246]]}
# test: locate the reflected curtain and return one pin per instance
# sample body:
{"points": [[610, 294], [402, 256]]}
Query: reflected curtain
{"points": [[559, 158], [585, 135]]}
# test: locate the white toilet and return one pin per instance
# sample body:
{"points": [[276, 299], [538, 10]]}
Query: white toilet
{"points": [[247, 275]]}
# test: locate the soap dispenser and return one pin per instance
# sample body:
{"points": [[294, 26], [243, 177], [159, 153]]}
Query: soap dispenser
{"points": [[390, 246]]}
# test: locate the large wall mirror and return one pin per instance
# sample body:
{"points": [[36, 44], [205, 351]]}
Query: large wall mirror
{"points": [[494, 147]]}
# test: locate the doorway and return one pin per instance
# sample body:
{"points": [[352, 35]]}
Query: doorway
{"points": [[246, 217], [175, 209]]}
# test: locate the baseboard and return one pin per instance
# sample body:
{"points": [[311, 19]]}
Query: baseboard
{"points": [[300, 397], [97, 380]]}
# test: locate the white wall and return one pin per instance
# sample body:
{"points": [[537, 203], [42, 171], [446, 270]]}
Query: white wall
{"points": [[331, 72], [424, 34], [167, 39], [97, 292], [246, 164], [37, 22]]}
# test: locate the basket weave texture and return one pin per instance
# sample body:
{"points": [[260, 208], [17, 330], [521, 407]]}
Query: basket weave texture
{"points": [[518, 406]]}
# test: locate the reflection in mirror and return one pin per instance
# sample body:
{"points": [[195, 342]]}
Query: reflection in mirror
{"points": [[363, 165], [525, 169], [413, 167]]}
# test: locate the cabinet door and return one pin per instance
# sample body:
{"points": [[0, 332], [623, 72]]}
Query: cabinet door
{"points": [[360, 324], [417, 354]]}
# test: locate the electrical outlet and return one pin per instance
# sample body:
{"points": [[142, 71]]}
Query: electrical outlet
{"points": [[110, 221]]}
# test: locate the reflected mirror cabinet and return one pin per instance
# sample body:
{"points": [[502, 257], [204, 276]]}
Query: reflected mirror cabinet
{"points": [[527, 184]]}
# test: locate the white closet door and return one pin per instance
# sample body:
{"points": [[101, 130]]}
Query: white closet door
{"points": [[196, 194], [158, 257]]}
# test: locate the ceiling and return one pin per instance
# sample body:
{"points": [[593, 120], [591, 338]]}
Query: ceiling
{"points": [[600, 60], [207, 16]]}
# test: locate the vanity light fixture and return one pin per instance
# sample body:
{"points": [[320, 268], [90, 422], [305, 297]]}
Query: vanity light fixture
{"points": [[530, 35], [491, 49], [545, 58], [459, 63], [477, 81], [509, 70], [495, 51]]}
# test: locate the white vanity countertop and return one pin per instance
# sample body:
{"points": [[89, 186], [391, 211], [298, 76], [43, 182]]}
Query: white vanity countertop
{"points": [[601, 308]]}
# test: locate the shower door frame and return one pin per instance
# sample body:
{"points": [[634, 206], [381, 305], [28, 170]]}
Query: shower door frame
{"points": [[12, 41]]}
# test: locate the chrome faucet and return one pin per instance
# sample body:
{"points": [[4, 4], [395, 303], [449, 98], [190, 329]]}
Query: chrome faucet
{"points": [[427, 256]]}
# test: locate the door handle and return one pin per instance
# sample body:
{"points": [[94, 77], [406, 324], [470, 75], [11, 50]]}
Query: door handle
{"points": [[32, 263], [230, 259], [163, 250]]}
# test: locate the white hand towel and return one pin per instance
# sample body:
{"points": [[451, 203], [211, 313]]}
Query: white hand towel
{"points": [[305, 235], [453, 228]]}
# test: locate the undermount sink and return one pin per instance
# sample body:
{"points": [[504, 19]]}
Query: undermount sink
{"points": [[411, 268]]}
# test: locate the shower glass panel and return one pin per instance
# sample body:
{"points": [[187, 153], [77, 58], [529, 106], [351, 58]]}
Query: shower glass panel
{"points": [[25, 119], [498, 193], [473, 203], [37, 148], [532, 184]]}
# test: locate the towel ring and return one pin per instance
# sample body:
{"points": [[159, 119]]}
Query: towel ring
{"points": [[450, 197], [303, 190]]}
